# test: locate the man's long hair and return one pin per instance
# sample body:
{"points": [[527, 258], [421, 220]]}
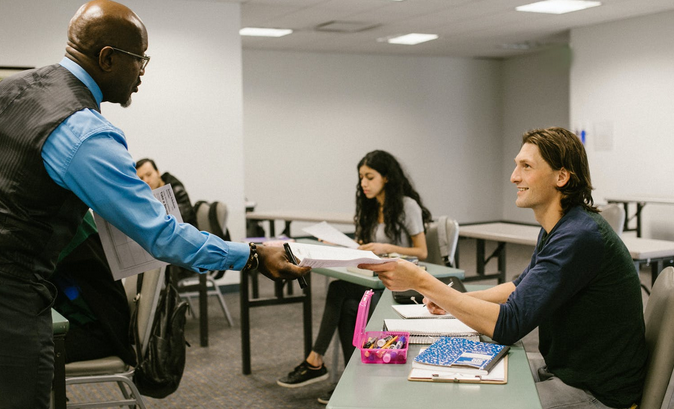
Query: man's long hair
{"points": [[396, 188], [561, 148]]}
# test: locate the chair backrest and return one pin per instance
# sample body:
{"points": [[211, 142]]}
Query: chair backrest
{"points": [[659, 318], [147, 303], [442, 236], [615, 216], [212, 217]]}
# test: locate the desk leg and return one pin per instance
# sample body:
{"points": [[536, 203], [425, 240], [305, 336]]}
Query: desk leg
{"points": [[502, 264], [640, 207], [272, 228], [307, 316], [59, 383], [203, 310], [480, 257], [245, 324], [656, 268]]}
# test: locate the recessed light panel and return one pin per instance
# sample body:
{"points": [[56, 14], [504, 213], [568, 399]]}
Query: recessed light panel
{"points": [[558, 6], [412, 38], [264, 32]]}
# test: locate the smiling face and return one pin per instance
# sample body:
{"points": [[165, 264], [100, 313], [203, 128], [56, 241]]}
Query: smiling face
{"points": [[372, 183], [537, 183]]}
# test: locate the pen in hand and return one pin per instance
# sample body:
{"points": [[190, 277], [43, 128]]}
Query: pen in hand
{"points": [[291, 257], [451, 284]]}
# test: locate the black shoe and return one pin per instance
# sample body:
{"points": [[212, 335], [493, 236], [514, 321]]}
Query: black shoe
{"points": [[303, 375], [325, 398]]}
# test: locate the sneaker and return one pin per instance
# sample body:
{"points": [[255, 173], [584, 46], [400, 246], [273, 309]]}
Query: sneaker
{"points": [[303, 375], [325, 398]]}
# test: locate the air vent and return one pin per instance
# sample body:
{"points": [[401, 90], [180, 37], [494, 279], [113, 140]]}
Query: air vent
{"points": [[336, 26]]}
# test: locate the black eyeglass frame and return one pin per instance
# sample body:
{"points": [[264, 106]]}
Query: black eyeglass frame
{"points": [[144, 58]]}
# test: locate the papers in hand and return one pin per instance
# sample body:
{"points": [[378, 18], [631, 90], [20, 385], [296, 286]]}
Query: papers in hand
{"points": [[414, 311], [316, 256], [326, 232]]}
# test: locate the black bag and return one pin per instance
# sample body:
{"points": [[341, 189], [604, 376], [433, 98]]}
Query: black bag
{"points": [[405, 297], [158, 373]]}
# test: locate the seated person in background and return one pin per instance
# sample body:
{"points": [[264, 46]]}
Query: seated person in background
{"points": [[93, 302], [148, 172], [389, 219], [581, 288]]}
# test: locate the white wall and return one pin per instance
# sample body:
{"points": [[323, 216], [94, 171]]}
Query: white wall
{"points": [[535, 95], [187, 114], [622, 94], [309, 118]]}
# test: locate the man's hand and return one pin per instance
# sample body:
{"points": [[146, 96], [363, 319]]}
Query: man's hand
{"points": [[397, 275], [274, 264], [433, 308]]}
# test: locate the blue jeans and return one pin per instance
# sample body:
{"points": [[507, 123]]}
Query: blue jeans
{"points": [[26, 343]]}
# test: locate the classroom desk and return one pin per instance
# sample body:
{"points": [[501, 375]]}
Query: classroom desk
{"points": [[641, 202], [650, 251], [386, 386], [501, 233], [305, 298], [60, 326], [300, 216]]}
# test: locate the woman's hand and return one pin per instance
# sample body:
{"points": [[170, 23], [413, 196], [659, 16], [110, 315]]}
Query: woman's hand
{"points": [[376, 248]]}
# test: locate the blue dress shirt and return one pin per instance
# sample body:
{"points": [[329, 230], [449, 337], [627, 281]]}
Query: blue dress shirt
{"points": [[87, 155]]}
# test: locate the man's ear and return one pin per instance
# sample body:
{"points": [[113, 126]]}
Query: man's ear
{"points": [[105, 59], [563, 177]]}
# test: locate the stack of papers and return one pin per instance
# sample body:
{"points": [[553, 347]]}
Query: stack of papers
{"points": [[316, 256]]}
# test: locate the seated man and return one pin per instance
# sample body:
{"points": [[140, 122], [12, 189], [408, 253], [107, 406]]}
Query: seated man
{"points": [[148, 172], [93, 302], [581, 288]]}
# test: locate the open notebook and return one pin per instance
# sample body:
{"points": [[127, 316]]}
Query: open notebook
{"points": [[428, 330]]}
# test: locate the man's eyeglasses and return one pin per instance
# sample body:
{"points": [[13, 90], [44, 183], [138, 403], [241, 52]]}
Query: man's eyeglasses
{"points": [[144, 58]]}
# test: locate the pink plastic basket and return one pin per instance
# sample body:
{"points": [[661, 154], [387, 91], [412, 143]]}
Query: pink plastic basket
{"points": [[378, 347]]}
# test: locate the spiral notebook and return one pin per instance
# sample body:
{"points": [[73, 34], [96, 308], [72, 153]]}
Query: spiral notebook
{"points": [[428, 330]]}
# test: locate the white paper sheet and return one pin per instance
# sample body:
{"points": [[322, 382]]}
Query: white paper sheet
{"points": [[125, 256], [315, 256], [328, 233]]}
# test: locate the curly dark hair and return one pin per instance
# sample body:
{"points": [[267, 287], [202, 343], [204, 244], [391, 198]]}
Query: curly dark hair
{"points": [[561, 148], [396, 188]]}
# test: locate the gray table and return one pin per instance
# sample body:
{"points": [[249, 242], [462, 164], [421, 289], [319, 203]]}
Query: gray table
{"points": [[649, 251], [386, 386], [640, 202]]}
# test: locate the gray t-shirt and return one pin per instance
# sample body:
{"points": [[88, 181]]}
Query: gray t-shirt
{"points": [[414, 225]]}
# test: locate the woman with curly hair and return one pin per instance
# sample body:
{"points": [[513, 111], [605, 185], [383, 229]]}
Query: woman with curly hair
{"points": [[390, 218]]}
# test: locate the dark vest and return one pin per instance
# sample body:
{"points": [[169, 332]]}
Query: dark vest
{"points": [[37, 217]]}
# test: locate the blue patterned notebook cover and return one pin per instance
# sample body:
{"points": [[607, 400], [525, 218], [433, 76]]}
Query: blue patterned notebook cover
{"points": [[450, 351]]}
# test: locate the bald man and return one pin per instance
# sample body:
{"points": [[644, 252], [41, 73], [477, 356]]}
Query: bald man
{"points": [[58, 157]]}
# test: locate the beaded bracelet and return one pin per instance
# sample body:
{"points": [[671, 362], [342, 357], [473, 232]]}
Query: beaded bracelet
{"points": [[253, 261]]}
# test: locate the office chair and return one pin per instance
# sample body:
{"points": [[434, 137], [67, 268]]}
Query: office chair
{"points": [[442, 237], [659, 334], [112, 368], [213, 219], [615, 216]]}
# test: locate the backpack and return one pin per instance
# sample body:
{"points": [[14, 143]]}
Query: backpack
{"points": [[159, 372]]}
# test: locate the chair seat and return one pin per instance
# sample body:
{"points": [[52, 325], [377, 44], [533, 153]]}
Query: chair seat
{"points": [[103, 366]]}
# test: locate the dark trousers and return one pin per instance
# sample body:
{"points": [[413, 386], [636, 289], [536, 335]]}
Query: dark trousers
{"points": [[26, 343], [341, 310]]}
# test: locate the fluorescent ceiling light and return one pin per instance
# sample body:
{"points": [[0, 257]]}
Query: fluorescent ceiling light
{"points": [[558, 6], [265, 32], [412, 38]]}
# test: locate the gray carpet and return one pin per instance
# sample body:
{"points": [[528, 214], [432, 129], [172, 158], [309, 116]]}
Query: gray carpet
{"points": [[213, 377]]}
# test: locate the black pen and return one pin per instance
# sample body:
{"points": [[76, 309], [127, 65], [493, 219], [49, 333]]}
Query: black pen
{"points": [[291, 257]]}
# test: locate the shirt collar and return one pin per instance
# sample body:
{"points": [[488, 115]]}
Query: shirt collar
{"points": [[83, 76]]}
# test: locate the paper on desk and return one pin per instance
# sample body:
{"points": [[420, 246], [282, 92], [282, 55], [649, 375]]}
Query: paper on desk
{"points": [[315, 255], [413, 311], [125, 256], [328, 233]]}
